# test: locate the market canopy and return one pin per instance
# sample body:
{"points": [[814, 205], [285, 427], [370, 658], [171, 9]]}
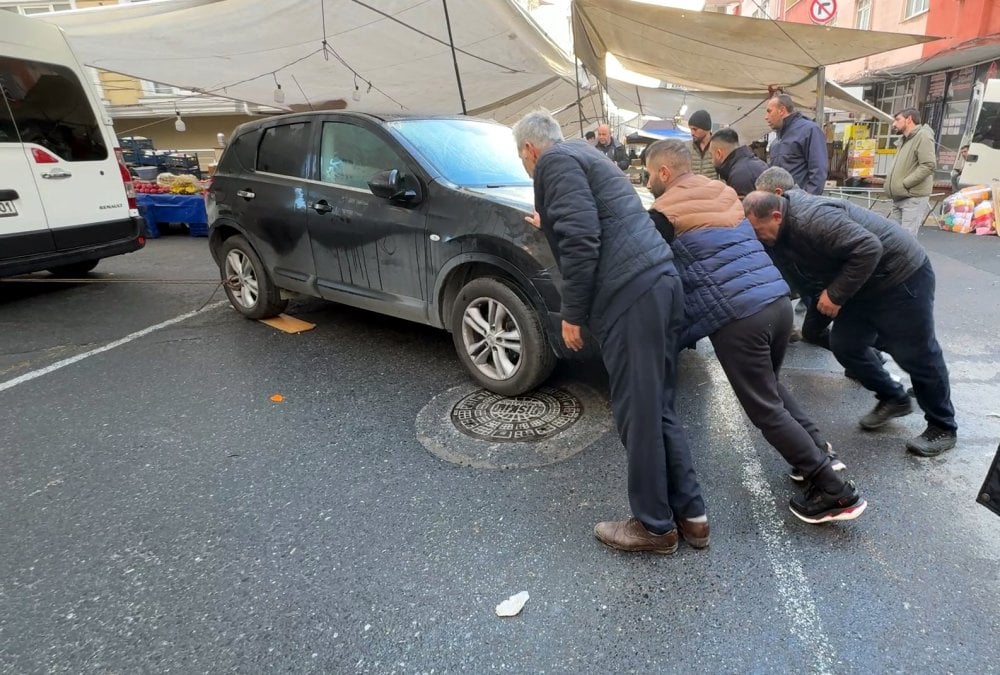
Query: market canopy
{"points": [[710, 51], [374, 56]]}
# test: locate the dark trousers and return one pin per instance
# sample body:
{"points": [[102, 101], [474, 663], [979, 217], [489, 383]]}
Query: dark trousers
{"points": [[902, 320], [640, 353], [751, 352]]}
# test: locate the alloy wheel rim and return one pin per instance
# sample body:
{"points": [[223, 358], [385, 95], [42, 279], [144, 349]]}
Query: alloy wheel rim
{"points": [[492, 338], [241, 279]]}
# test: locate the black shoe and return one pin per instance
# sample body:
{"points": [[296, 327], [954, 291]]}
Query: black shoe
{"points": [[835, 464], [932, 442], [795, 336], [885, 411], [816, 506]]}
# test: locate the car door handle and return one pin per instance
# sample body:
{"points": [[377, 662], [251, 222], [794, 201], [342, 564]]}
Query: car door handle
{"points": [[321, 207], [246, 194], [56, 174]]}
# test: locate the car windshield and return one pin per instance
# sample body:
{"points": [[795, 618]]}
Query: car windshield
{"points": [[469, 153]]}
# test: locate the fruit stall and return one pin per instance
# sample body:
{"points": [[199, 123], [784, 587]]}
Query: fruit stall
{"points": [[172, 200]]}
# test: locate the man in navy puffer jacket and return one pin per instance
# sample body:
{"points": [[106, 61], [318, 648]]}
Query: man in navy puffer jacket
{"points": [[734, 295], [619, 279]]}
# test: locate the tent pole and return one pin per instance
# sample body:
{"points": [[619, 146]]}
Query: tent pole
{"points": [[820, 94], [454, 58], [579, 103]]}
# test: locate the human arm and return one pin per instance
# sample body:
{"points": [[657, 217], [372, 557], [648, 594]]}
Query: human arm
{"points": [[571, 213], [816, 160], [925, 161], [841, 238], [621, 157]]}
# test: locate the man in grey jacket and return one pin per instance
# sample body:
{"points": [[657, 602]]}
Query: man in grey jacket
{"points": [[619, 279], [878, 285], [911, 176]]}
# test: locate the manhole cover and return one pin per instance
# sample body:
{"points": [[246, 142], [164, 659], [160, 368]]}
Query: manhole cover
{"points": [[473, 427], [529, 417]]}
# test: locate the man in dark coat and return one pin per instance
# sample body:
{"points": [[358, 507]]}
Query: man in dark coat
{"points": [[736, 164], [619, 279], [611, 148], [800, 145], [878, 285]]}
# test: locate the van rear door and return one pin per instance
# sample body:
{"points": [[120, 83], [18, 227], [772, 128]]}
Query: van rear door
{"points": [[23, 227], [70, 153], [982, 164]]}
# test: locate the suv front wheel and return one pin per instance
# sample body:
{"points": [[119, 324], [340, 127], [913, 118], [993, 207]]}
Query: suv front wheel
{"points": [[247, 283], [499, 337]]}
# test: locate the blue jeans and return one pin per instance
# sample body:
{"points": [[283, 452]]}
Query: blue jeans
{"points": [[901, 319]]}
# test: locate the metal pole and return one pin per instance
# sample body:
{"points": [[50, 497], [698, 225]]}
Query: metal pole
{"points": [[579, 103], [454, 57], [820, 92]]}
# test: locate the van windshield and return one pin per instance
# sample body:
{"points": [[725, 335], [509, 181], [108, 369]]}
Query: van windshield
{"points": [[50, 109], [469, 153]]}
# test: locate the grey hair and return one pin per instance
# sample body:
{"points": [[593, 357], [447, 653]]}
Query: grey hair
{"points": [[773, 179], [539, 128]]}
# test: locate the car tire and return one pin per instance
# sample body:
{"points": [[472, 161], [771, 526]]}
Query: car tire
{"points": [[247, 283], [500, 338], [77, 269]]}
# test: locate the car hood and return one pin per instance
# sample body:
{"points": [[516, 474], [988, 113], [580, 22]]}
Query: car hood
{"points": [[520, 197]]}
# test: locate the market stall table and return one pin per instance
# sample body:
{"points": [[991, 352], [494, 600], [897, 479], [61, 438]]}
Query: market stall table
{"points": [[173, 208]]}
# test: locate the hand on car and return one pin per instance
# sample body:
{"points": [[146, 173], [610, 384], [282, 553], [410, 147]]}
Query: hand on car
{"points": [[826, 306], [534, 220], [572, 336]]}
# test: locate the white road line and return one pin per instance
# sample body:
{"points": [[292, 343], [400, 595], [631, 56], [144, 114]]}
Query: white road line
{"points": [[793, 586], [27, 377]]}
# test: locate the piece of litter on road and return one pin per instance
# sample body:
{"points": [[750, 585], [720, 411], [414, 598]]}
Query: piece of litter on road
{"points": [[513, 605], [277, 398], [288, 324]]}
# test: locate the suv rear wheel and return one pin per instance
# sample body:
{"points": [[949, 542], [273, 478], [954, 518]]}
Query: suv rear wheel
{"points": [[247, 283], [499, 337]]}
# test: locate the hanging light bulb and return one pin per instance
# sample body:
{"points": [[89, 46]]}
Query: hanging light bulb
{"points": [[683, 110], [357, 92], [179, 123]]}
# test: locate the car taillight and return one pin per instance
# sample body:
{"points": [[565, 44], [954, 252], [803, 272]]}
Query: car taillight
{"points": [[126, 179], [42, 157]]}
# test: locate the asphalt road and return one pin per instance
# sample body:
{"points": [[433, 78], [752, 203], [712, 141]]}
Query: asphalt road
{"points": [[160, 513]]}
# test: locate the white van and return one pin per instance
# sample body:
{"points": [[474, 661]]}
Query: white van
{"points": [[66, 198], [982, 164]]}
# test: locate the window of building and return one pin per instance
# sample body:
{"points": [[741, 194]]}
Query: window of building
{"points": [[284, 150], [914, 7], [51, 109], [863, 15]]}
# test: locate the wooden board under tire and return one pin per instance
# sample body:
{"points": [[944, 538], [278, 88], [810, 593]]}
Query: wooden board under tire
{"points": [[288, 324]]}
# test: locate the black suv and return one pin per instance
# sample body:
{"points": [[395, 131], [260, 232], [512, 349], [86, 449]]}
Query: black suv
{"points": [[420, 218]]}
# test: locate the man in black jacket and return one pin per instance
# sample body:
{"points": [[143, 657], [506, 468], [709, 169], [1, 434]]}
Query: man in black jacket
{"points": [[879, 286], [736, 164], [619, 279], [611, 148]]}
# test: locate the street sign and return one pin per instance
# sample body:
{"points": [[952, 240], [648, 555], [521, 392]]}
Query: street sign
{"points": [[823, 11]]}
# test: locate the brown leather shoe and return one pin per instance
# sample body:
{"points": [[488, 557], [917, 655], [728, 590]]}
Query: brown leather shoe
{"points": [[631, 535], [695, 534]]}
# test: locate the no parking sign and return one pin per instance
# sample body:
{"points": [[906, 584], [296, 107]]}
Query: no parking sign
{"points": [[823, 11]]}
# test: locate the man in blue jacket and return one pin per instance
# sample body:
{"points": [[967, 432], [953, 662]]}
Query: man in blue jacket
{"points": [[734, 295], [619, 280], [800, 145]]}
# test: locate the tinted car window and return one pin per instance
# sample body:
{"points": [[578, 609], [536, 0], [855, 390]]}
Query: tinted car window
{"points": [[51, 109], [988, 125], [284, 149], [240, 151], [350, 155], [467, 152]]}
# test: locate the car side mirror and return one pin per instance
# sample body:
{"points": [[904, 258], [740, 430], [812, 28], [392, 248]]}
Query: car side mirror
{"points": [[390, 185]]}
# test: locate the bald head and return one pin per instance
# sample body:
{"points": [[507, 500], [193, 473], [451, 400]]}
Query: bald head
{"points": [[603, 134]]}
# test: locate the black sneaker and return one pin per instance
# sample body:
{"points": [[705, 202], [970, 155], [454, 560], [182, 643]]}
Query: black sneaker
{"points": [[885, 411], [932, 442], [835, 464], [816, 506]]}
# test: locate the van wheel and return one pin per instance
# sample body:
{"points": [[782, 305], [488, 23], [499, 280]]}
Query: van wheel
{"points": [[499, 337], [74, 269], [247, 283]]}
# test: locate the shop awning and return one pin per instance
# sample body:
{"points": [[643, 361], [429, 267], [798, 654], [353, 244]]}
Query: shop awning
{"points": [[709, 51], [968, 53]]}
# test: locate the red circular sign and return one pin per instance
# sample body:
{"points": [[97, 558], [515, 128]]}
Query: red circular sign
{"points": [[823, 11]]}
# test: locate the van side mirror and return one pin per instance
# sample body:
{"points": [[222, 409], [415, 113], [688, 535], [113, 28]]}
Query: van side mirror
{"points": [[390, 185]]}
